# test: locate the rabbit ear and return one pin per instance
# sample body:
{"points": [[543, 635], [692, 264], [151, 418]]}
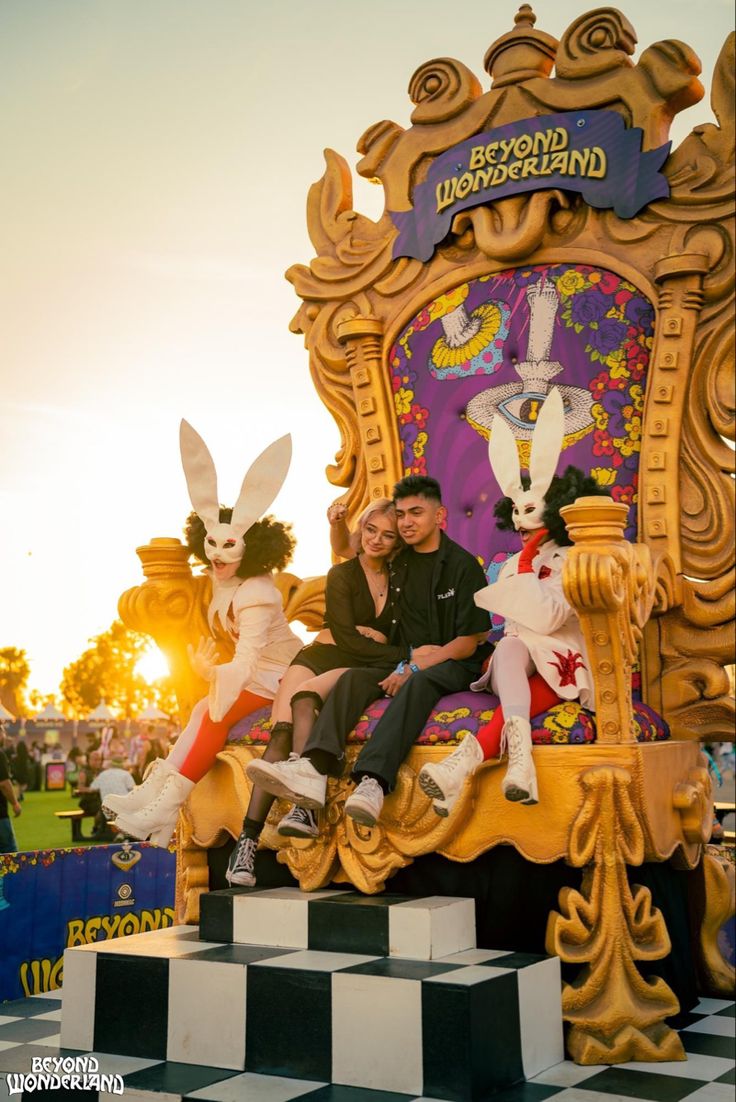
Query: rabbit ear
{"points": [[504, 457], [200, 474], [547, 438], [264, 479]]}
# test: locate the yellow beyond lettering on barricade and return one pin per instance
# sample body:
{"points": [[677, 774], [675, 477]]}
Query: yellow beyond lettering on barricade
{"points": [[46, 974], [81, 931]]}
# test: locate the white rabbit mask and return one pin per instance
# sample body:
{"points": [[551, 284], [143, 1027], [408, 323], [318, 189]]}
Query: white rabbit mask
{"points": [[503, 454], [224, 541]]}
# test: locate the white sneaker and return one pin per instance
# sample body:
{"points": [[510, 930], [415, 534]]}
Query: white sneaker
{"points": [[295, 780], [520, 782], [444, 780], [300, 822], [366, 802]]}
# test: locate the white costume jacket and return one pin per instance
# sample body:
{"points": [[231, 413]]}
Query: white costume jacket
{"points": [[252, 612], [536, 610]]}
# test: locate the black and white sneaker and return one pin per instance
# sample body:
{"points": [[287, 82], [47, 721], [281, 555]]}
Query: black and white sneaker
{"points": [[300, 822], [241, 866]]}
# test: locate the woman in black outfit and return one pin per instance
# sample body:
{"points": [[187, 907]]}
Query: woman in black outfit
{"points": [[359, 617]]}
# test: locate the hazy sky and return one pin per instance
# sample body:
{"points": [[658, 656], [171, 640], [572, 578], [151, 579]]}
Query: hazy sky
{"points": [[157, 156]]}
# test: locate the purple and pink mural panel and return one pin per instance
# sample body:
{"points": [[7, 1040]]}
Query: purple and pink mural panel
{"points": [[494, 347]]}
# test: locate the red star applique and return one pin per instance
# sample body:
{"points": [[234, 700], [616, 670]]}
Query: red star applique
{"points": [[567, 665]]}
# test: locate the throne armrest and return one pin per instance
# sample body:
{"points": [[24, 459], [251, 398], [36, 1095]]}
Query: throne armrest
{"points": [[614, 586]]}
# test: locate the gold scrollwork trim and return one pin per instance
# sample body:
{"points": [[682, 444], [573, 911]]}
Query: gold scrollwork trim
{"points": [[717, 974], [615, 1014]]}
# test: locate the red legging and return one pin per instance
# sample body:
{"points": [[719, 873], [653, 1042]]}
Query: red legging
{"points": [[543, 698], [210, 737]]}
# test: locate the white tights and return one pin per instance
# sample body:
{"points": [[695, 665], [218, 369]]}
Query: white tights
{"points": [[511, 669]]}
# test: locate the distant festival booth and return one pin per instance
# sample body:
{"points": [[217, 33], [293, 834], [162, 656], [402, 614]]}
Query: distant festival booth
{"points": [[538, 233]]}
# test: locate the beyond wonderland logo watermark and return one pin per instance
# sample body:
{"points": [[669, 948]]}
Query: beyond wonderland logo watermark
{"points": [[52, 1073]]}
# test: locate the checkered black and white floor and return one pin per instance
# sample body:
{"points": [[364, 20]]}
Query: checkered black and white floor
{"points": [[31, 1027], [327, 996]]}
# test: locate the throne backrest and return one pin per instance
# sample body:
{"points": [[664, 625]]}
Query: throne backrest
{"points": [[424, 325]]}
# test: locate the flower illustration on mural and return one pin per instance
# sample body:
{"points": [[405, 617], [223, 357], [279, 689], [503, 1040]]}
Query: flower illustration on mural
{"points": [[472, 343]]}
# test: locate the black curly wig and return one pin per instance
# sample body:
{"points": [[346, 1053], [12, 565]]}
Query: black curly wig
{"points": [[269, 544], [563, 490]]}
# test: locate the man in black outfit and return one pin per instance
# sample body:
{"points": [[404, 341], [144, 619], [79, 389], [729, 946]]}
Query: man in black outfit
{"points": [[442, 632]]}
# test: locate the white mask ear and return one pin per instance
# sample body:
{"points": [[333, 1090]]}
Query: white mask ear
{"points": [[547, 438], [199, 471], [262, 482], [504, 458]]}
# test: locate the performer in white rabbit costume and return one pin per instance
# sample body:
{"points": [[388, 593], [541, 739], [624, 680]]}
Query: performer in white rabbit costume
{"points": [[541, 658], [242, 551]]}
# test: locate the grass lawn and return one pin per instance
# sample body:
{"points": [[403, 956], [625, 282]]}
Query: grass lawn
{"points": [[38, 828]]}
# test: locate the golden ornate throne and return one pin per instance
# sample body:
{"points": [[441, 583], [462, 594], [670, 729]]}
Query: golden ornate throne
{"points": [[400, 344]]}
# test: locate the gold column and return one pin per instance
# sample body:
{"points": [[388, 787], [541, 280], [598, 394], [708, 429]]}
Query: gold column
{"points": [[680, 280], [610, 584], [362, 339]]}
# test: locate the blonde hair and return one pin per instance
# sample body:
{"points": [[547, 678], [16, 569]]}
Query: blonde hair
{"points": [[382, 505]]}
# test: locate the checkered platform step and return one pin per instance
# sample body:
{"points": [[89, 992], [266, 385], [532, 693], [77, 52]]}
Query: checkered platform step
{"points": [[340, 921], [315, 1011]]}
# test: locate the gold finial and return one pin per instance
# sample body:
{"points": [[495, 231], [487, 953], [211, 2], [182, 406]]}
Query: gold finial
{"points": [[521, 54], [525, 15]]}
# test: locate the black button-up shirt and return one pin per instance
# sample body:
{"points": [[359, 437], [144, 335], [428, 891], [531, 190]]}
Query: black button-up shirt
{"points": [[451, 610]]}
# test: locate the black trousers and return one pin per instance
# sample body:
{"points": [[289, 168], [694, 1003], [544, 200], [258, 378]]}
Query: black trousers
{"points": [[399, 725]]}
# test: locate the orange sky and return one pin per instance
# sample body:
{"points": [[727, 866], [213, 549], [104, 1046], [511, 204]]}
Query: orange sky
{"points": [[157, 158]]}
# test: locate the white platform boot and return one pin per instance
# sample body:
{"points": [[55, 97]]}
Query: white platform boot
{"points": [[158, 819], [520, 782], [444, 780], [144, 793]]}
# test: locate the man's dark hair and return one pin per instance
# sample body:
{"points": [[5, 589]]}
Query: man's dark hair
{"points": [[418, 485]]}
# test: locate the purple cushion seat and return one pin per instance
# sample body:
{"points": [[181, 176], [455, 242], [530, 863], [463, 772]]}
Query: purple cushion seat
{"points": [[455, 715]]}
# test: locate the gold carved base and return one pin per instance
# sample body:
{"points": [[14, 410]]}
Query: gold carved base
{"points": [[615, 1014], [713, 905]]}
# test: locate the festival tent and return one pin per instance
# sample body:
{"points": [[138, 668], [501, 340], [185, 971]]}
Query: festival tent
{"points": [[152, 714], [100, 716], [50, 717]]}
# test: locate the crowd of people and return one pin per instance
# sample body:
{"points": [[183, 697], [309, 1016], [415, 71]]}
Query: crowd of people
{"points": [[407, 617], [108, 763]]}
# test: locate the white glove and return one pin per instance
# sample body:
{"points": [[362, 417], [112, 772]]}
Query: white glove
{"points": [[204, 659]]}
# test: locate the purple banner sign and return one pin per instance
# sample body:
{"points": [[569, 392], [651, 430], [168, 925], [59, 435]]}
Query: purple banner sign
{"points": [[591, 152]]}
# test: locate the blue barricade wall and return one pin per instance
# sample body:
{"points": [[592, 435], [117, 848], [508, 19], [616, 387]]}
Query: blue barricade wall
{"points": [[53, 899]]}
